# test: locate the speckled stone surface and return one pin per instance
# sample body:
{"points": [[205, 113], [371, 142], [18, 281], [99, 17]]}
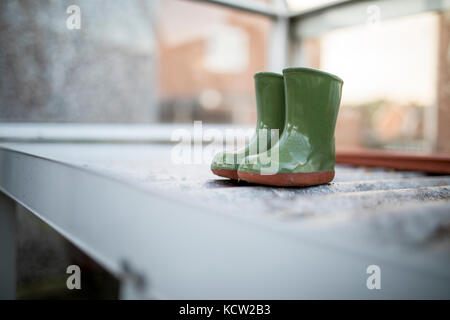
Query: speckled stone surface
{"points": [[377, 200]]}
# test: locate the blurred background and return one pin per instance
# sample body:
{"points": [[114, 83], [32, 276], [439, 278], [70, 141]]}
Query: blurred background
{"points": [[176, 61]]}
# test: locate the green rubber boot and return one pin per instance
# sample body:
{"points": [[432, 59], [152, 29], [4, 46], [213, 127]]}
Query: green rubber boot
{"points": [[269, 89], [305, 153]]}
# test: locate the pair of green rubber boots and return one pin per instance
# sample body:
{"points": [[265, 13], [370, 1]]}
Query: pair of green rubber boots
{"points": [[294, 140]]}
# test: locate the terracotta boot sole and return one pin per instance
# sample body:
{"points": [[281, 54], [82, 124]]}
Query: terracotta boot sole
{"points": [[288, 179], [231, 174]]}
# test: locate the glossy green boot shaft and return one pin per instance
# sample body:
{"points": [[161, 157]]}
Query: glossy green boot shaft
{"points": [[270, 100], [312, 104]]}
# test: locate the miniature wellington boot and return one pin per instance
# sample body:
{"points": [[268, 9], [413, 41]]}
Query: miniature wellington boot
{"points": [[305, 153], [269, 89]]}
